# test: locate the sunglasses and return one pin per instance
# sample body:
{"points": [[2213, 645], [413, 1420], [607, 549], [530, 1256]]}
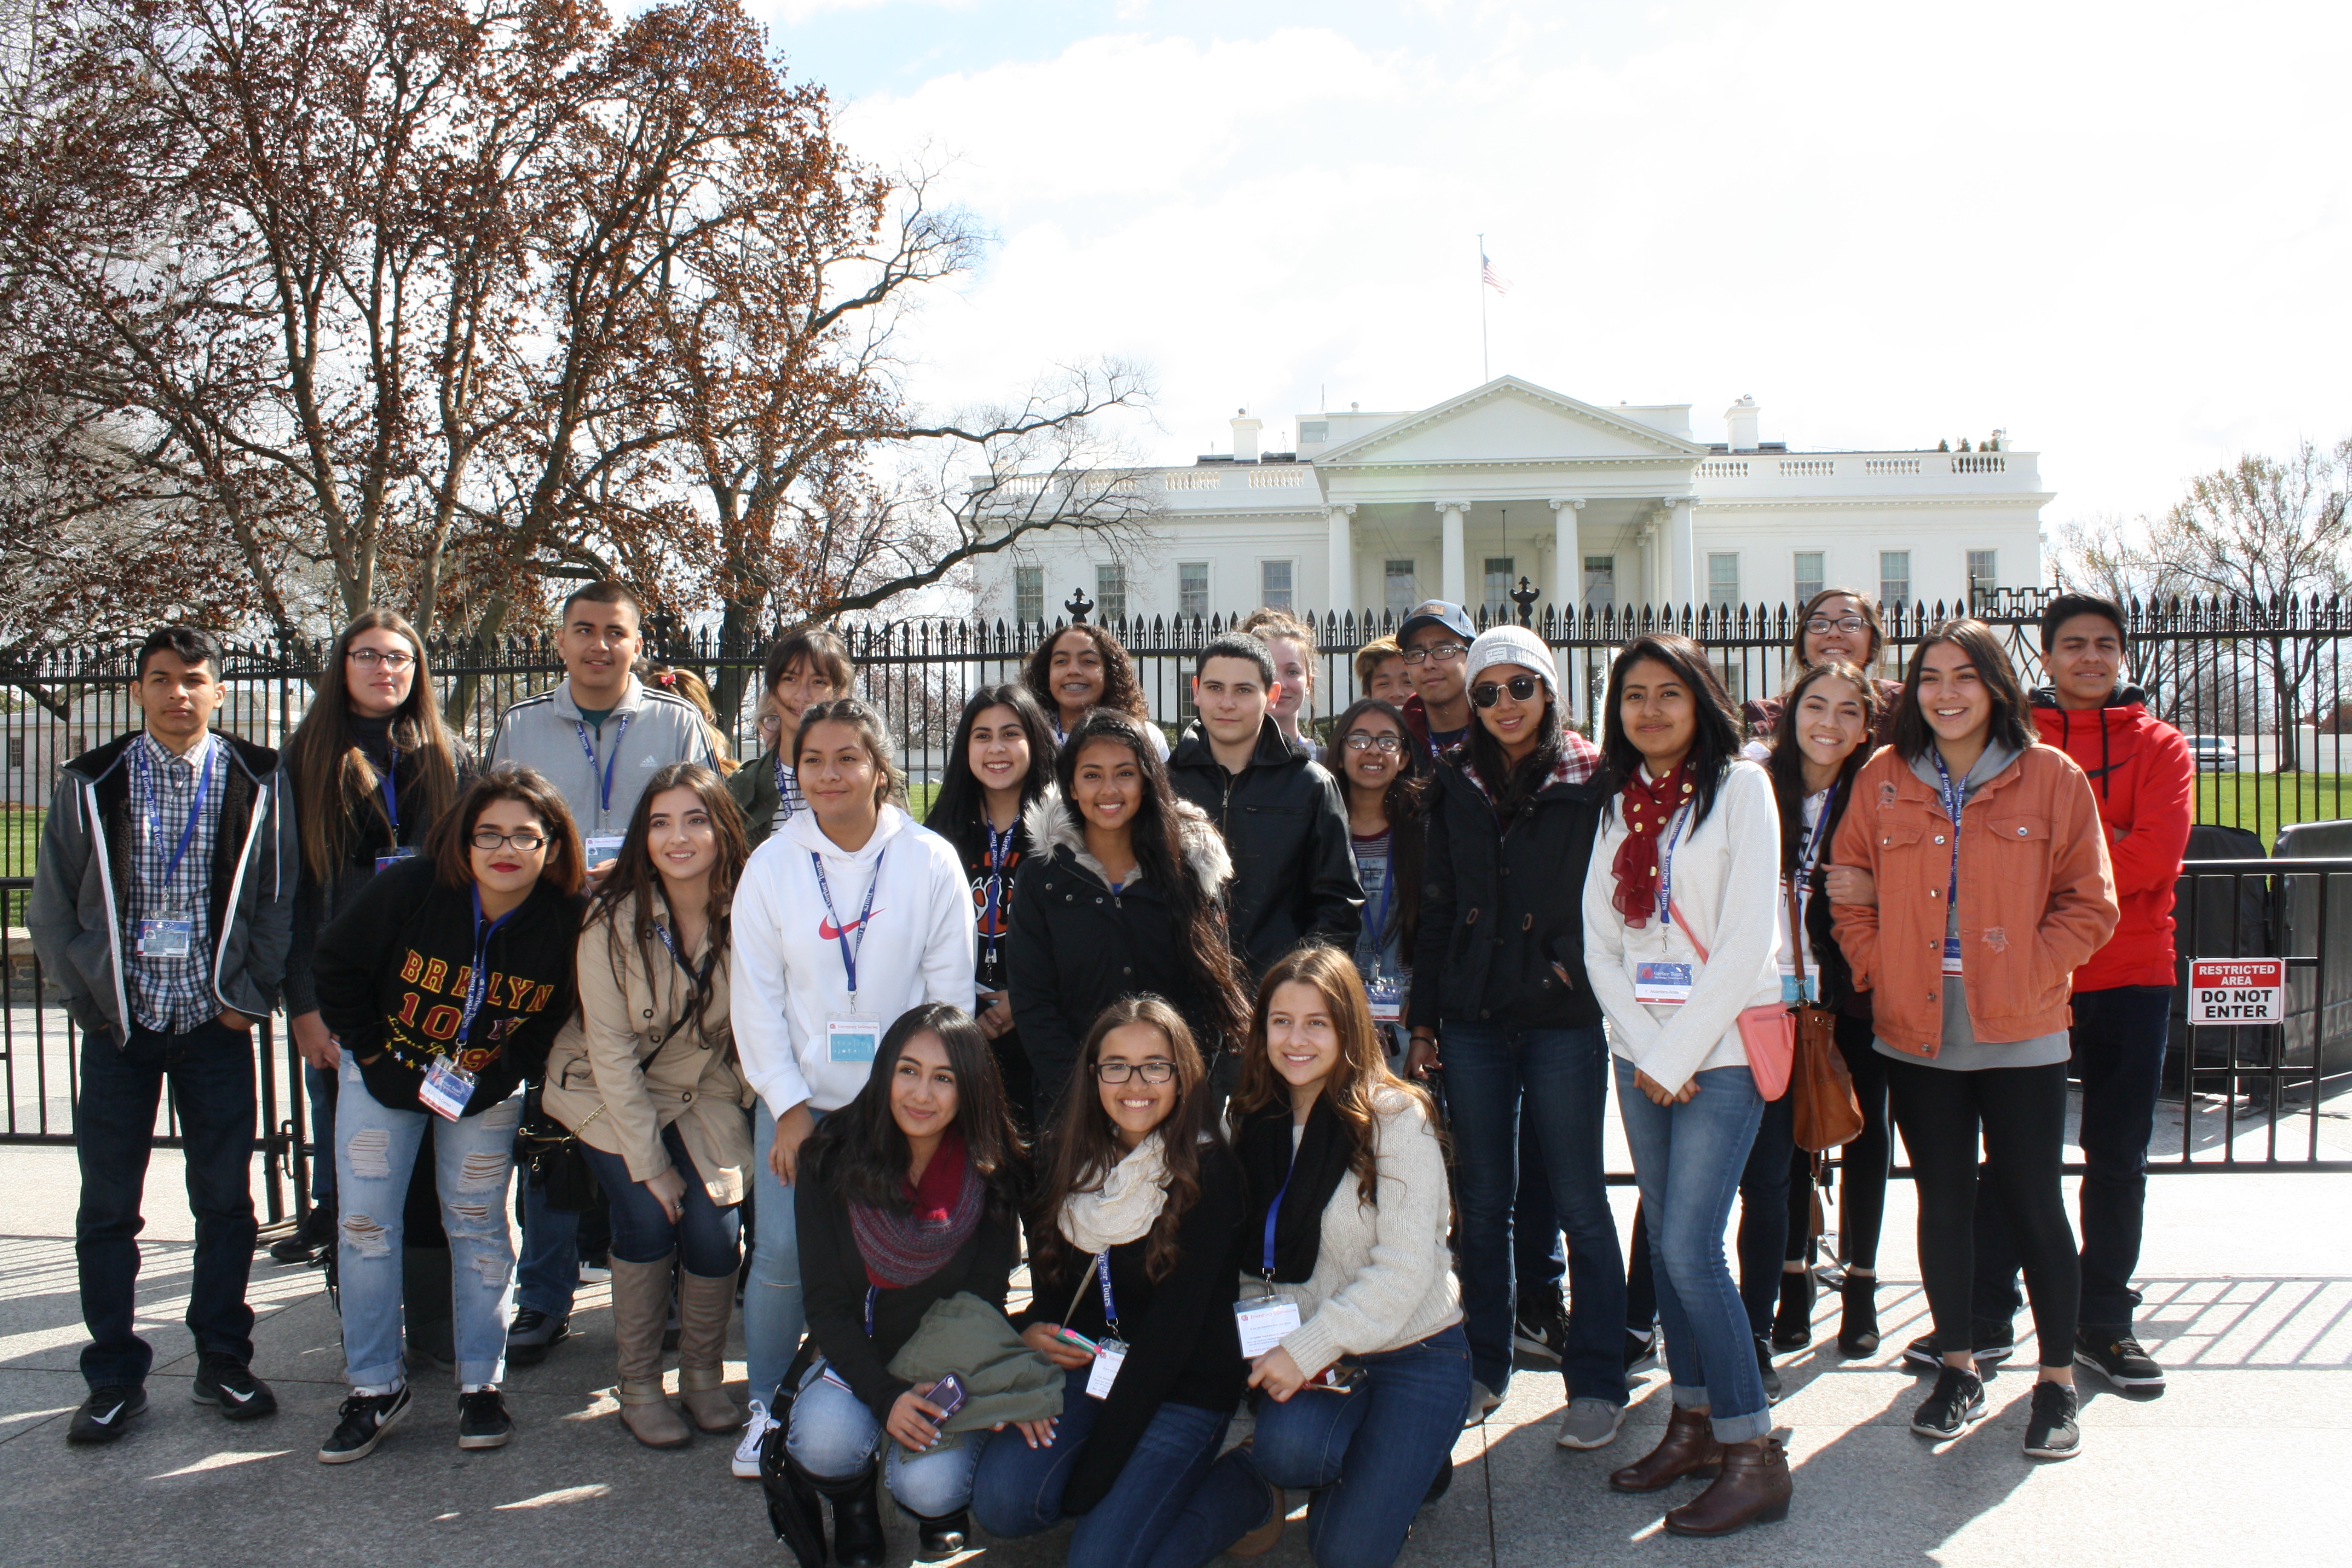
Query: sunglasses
{"points": [[1522, 688]]}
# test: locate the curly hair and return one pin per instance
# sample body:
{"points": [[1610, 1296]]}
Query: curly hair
{"points": [[1122, 694]]}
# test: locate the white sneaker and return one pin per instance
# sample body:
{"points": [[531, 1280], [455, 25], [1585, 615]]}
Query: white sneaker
{"points": [[747, 1452]]}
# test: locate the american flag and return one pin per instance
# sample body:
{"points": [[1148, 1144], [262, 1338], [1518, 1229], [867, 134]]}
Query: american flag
{"points": [[1492, 280]]}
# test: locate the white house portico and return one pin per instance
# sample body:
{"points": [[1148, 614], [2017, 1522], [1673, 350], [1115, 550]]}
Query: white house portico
{"points": [[1591, 504]]}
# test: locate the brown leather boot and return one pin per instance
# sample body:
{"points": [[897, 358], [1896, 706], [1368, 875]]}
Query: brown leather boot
{"points": [[640, 1308], [1754, 1486], [1688, 1448], [703, 1305]]}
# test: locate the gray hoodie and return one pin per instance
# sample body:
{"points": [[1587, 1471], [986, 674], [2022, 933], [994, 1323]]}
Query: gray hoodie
{"points": [[647, 729]]}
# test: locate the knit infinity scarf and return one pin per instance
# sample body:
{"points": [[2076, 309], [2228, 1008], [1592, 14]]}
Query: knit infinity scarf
{"points": [[1649, 807], [903, 1249], [1124, 1206]]}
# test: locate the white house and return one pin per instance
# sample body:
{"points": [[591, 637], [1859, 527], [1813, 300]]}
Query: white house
{"points": [[1591, 504]]}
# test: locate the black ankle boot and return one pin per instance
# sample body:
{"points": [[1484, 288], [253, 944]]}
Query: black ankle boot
{"points": [[1792, 1325], [858, 1540], [1858, 1327], [943, 1537]]}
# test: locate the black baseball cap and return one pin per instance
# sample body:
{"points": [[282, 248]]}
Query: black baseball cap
{"points": [[1438, 613]]}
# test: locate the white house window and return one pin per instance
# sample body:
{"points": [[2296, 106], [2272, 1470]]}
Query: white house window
{"points": [[1810, 578], [15, 754], [1984, 573], [1274, 583], [1599, 580], [1110, 590], [1314, 430], [1398, 592], [1894, 578], [1192, 587], [1028, 594], [1500, 569], [1723, 579]]}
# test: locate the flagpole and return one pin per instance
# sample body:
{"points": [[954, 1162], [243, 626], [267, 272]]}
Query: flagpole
{"points": [[1485, 362]]}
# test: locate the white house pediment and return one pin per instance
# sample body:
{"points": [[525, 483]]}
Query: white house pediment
{"points": [[1508, 421]]}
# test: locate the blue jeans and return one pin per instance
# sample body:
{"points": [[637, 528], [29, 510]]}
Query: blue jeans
{"points": [[1687, 1159], [319, 1089], [376, 1150], [774, 1315], [1167, 1510], [548, 1275], [1562, 1077], [833, 1437], [1540, 1260], [1368, 1455], [210, 1069], [704, 1235]]}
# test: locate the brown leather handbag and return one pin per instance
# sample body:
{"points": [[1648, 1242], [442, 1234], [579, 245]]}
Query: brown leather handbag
{"points": [[1821, 1091]]}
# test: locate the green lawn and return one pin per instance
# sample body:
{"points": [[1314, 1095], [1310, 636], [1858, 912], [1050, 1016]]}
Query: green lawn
{"points": [[2265, 803]]}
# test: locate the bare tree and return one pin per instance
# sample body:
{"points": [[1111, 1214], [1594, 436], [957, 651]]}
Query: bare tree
{"points": [[2111, 556]]}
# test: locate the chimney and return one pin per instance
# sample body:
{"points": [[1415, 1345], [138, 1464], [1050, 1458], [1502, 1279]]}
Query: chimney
{"points": [[1246, 431], [1741, 418]]}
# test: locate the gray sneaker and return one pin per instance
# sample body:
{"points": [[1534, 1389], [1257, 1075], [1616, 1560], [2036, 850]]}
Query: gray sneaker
{"points": [[1482, 1403], [1590, 1424]]}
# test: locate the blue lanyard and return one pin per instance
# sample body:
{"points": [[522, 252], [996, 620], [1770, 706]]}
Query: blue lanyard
{"points": [[1388, 895], [391, 795], [1805, 862], [1274, 1212], [872, 1293], [478, 984], [620, 729], [784, 792], [699, 978], [848, 954], [1955, 802], [1666, 862], [1111, 1307], [155, 810], [992, 896]]}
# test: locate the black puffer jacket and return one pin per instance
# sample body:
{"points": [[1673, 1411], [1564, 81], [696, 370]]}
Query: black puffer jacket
{"points": [[1501, 904], [1286, 826], [1076, 946]]}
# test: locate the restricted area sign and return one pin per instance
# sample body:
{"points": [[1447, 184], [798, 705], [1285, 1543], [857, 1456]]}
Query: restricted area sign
{"points": [[2237, 991]]}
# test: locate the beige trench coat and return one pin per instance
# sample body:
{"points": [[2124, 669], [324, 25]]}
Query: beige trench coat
{"points": [[633, 1059]]}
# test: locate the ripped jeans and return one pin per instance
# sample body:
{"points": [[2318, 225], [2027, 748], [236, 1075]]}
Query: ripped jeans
{"points": [[375, 1149]]}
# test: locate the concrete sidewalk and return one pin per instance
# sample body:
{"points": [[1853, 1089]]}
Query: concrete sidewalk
{"points": [[2250, 1288]]}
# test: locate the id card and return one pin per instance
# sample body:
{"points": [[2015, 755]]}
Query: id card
{"points": [[1109, 1356], [446, 1089], [1952, 955], [164, 939], [1264, 1323], [598, 850], [835, 1378], [1789, 997], [1386, 993], [1662, 985], [394, 856], [852, 1039]]}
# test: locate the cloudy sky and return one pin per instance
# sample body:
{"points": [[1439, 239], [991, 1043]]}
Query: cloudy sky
{"points": [[2116, 231]]}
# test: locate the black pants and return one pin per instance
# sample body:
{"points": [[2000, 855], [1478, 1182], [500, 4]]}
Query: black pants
{"points": [[2021, 1113], [2118, 1041], [1863, 1164], [1765, 1215]]}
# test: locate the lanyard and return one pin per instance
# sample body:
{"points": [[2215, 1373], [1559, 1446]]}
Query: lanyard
{"points": [[1811, 855], [872, 1293], [1274, 1212], [478, 984], [1000, 849], [1380, 928], [155, 810], [620, 729], [1666, 863], [848, 954], [391, 794], [1111, 1307], [784, 792], [700, 977], [1955, 802]]}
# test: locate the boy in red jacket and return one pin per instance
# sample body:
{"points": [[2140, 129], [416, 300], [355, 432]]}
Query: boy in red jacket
{"points": [[2145, 781]]}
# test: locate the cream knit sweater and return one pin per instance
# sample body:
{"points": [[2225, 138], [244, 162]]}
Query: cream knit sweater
{"points": [[1383, 1278]]}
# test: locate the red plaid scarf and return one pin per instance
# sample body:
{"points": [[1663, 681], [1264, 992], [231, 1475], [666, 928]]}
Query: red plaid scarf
{"points": [[1649, 809]]}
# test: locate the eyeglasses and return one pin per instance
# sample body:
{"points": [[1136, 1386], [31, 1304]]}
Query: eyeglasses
{"points": [[1443, 653], [1820, 624], [368, 658], [1359, 740], [1159, 1069], [769, 723], [527, 841], [1522, 688]]}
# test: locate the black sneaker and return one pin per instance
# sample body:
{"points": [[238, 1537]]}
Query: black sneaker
{"points": [[106, 1415], [1640, 1347], [1542, 1328], [1958, 1404], [532, 1334], [359, 1423], [225, 1381], [2119, 1359], [1921, 1353], [1770, 1374], [309, 1241], [2050, 1431], [482, 1420]]}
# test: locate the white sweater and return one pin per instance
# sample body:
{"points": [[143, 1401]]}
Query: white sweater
{"points": [[1726, 882], [789, 979], [1383, 1278]]}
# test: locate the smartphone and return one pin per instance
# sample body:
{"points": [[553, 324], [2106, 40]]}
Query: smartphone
{"points": [[1074, 1340], [947, 1396]]}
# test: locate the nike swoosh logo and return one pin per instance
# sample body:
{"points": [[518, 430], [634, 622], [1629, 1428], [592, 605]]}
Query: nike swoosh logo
{"points": [[828, 931], [240, 1398], [106, 1419]]}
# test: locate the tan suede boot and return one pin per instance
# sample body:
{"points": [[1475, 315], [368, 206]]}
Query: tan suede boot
{"points": [[703, 1305], [640, 1310]]}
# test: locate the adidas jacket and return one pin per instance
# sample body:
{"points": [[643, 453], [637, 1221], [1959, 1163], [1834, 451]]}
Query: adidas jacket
{"points": [[546, 734]]}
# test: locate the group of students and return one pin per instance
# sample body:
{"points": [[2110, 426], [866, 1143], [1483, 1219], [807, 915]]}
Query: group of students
{"points": [[1286, 1081]]}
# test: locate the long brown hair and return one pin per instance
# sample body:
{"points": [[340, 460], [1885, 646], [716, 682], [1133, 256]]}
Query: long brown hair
{"points": [[1086, 1142], [334, 782], [2009, 725], [634, 878], [1787, 766], [1363, 1066], [860, 1152], [1122, 694], [450, 844]]}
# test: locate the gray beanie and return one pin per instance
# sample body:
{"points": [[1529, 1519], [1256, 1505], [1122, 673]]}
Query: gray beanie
{"points": [[1511, 644]]}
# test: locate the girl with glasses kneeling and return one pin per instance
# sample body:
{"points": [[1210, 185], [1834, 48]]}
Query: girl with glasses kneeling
{"points": [[442, 985], [1135, 1249]]}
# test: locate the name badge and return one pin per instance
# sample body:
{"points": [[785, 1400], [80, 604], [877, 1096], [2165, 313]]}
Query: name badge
{"points": [[1662, 985], [852, 1039], [446, 1089], [1109, 1356], [1952, 955], [598, 850], [396, 856], [1789, 997], [164, 939], [835, 1378], [1265, 1323], [1386, 993]]}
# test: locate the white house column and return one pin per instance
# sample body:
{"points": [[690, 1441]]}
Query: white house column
{"points": [[1566, 557], [1654, 570], [1453, 569], [1342, 598], [1681, 553]]}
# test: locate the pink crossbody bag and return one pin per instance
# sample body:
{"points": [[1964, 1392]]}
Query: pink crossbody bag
{"points": [[1769, 1032]]}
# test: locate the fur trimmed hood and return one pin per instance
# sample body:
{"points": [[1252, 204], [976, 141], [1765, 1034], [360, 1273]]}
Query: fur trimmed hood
{"points": [[1053, 826]]}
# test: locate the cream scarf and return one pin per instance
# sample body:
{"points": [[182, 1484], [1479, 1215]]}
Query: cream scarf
{"points": [[1124, 1206]]}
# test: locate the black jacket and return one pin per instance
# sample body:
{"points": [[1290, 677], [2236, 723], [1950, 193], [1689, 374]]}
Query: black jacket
{"points": [[1286, 825], [1836, 975], [832, 1275], [392, 971], [1183, 1346], [1501, 903], [1076, 946]]}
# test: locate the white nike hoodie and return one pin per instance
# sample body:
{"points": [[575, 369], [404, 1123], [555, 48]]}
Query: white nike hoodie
{"points": [[789, 978]]}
